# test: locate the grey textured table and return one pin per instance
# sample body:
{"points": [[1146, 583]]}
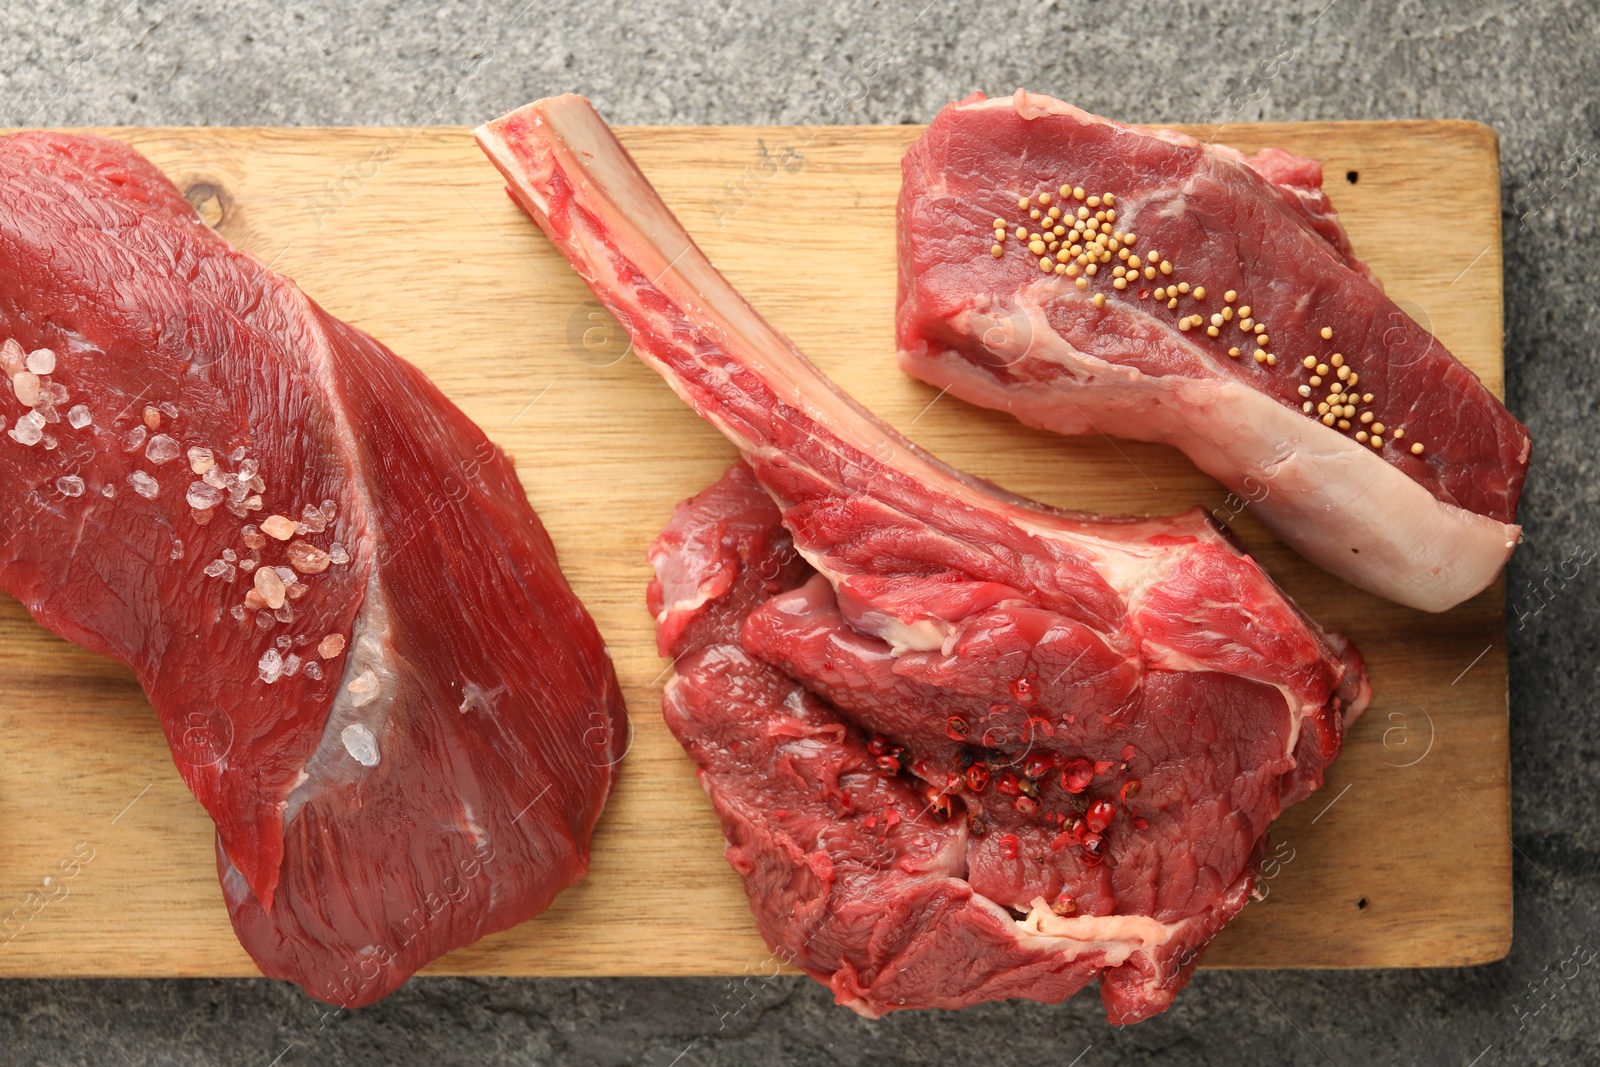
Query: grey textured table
{"points": [[1529, 69]]}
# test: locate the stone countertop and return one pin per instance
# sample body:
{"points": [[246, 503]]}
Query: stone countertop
{"points": [[1528, 69]]}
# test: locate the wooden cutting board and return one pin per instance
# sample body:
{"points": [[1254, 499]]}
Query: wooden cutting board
{"points": [[1402, 860]]}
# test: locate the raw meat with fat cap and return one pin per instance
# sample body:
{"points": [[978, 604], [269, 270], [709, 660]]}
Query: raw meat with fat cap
{"points": [[1211, 301], [329, 582], [964, 747]]}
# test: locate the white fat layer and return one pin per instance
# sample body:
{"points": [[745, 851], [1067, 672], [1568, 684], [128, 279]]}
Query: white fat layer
{"points": [[1324, 494], [1114, 937], [686, 605], [1119, 936], [469, 819], [660, 562], [332, 761], [234, 886], [337, 760], [923, 635], [926, 634]]}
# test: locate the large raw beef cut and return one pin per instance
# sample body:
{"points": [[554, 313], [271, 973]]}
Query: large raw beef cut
{"points": [[1091, 277], [328, 581], [963, 746]]}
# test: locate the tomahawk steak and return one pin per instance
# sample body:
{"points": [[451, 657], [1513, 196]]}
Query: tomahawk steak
{"points": [[963, 746]]}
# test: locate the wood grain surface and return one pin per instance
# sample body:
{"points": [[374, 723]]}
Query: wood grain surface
{"points": [[1402, 860]]}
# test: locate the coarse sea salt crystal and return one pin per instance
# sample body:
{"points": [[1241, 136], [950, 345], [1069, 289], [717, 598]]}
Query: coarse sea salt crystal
{"points": [[26, 385], [134, 438], [29, 429], [70, 485], [161, 449], [201, 495], [359, 742], [201, 460], [307, 558], [79, 417], [269, 587], [42, 361], [291, 665], [337, 553], [276, 526], [144, 485], [270, 665], [313, 671], [363, 688]]}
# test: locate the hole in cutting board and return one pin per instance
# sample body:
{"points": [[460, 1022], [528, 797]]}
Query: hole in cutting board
{"points": [[1351, 176], [210, 201]]}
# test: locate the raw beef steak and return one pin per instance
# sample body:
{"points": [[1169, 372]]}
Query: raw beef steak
{"points": [[1090, 277], [328, 581], [963, 746]]}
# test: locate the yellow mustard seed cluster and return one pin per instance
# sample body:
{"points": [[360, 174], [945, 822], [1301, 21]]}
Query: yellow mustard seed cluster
{"points": [[1073, 233]]}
